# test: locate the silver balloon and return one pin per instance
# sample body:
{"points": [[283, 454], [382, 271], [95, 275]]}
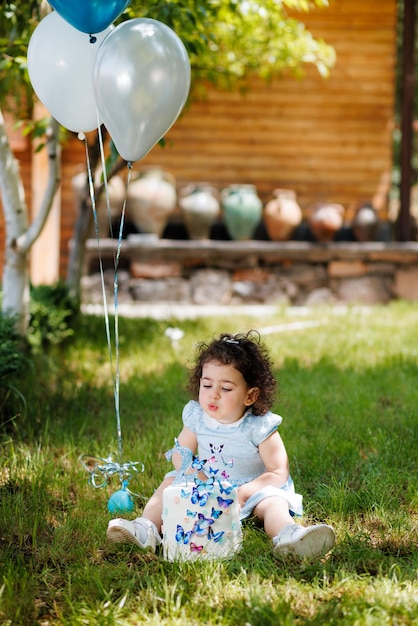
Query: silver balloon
{"points": [[141, 78]]}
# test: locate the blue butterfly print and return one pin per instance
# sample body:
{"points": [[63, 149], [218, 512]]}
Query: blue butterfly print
{"points": [[198, 498], [191, 513], [204, 486], [215, 536], [224, 504], [182, 536], [201, 527], [215, 514], [197, 464], [213, 471], [185, 494], [201, 491], [215, 449], [226, 490], [229, 463]]}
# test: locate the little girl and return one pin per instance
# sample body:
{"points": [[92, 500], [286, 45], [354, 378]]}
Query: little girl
{"points": [[233, 381]]}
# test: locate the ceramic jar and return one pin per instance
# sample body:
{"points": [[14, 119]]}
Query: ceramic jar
{"points": [[282, 215], [242, 211], [200, 207], [116, 196], [150, 200], [325, 219], [365, 223]]}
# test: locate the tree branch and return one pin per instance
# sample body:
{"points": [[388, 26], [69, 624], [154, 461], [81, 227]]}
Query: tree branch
{"points": [[26, 240]]}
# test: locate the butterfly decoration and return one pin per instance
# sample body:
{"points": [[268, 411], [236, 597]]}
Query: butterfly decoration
{"points": [[212, 459], [215, 514], [229, 463], [208, 484], [216, 449], [225, 490], [182, 536], [202, 526], [215, 536], [191, 513], [224, 504], [204, 485], [199, 498], [197, 549], [185, 494], [213, 471], [197, 463], [201, 491], [225, 475]]}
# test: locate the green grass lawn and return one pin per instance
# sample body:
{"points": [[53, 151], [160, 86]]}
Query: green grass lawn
{"points": [[349, 401]]}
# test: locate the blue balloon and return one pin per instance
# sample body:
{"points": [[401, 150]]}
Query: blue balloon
{"points": [[89, 16], [120, 502]]}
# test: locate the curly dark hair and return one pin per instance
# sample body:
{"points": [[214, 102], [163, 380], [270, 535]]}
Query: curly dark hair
{"points": [[245, 353]]}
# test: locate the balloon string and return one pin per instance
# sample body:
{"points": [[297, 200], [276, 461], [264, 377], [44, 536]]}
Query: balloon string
{"points": [[115, 295], [101, 469], [115, 369], [96, 228], [105, 181]]}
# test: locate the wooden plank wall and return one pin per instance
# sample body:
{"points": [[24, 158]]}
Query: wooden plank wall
{"points": [[328, 139]]}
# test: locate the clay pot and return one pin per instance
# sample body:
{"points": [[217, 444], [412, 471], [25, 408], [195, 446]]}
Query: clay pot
{"points": [[200, 208], [365, 223], [325, 219], [282, 215], [242, 211], [150, 200], [116, 195]]}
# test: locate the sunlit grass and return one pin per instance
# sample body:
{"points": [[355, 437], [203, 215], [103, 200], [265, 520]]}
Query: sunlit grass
{"points": [[348, 397]]}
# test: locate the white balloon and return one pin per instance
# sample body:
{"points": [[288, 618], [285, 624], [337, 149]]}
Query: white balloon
{"points": [[142, 79], [60, 66]]}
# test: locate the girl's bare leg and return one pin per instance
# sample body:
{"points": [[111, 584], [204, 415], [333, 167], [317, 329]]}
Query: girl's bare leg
{"points": [[274, 513], [154, 507]]}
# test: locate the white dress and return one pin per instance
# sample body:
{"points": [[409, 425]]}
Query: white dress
{"points": [[229, 452]]}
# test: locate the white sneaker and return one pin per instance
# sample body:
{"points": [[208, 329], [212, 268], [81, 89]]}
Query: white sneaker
{"points": [[140, 531], [300, 541]]}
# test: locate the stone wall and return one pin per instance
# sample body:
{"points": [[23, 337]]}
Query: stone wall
{"points": [[250, 272]]}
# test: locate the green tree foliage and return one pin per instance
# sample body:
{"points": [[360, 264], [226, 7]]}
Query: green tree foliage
{"points": [[17, 22], [226, 40]]}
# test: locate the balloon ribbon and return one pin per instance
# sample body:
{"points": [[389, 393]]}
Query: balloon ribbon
{"points": [[105, 468]]}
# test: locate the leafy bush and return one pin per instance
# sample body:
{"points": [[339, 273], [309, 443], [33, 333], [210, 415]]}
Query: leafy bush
{"points": [[52, 312], [13, 363], [12, 354]]}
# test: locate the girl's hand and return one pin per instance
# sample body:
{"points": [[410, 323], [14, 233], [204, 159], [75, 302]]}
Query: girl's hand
{"points": [[244, 492]]}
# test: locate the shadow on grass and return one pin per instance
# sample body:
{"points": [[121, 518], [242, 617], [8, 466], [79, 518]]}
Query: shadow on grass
{"points": [[351, 436]]}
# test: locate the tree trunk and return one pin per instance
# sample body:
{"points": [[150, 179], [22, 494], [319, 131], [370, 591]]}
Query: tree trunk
{"points": [[20, 237], [80, 235], [84, 220]]}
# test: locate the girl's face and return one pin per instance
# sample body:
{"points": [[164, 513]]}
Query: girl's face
{"points": [[223, 393]]}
